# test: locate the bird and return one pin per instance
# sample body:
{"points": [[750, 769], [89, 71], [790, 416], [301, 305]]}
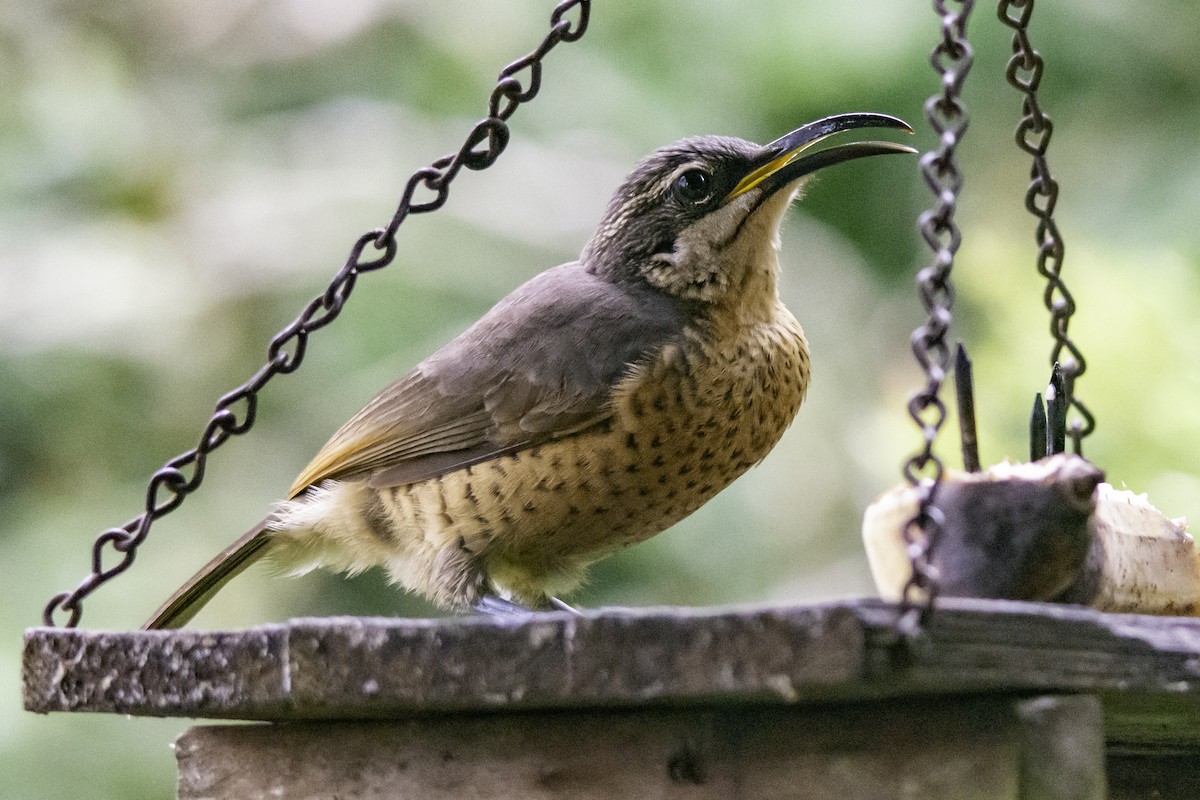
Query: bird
{"points": [[593, 407]]}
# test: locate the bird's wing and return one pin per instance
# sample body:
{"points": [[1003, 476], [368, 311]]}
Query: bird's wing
{"points": [[542, 363]]}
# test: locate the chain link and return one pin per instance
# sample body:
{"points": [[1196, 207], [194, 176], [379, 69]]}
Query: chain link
{"points": [[518, 83], [951, 59], [1024, 73]]}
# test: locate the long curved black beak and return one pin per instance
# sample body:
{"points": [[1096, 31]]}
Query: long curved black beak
{"points": [[785, 159]]}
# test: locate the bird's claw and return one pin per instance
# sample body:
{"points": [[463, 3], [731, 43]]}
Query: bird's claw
{"points": [[495, 606]]}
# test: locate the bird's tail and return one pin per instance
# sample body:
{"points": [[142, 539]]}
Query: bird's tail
{"points": [[200, 588]]}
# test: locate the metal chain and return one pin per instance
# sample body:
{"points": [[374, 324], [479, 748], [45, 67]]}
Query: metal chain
{"points": [[235, 412], [1024, 73], [951, 59]]}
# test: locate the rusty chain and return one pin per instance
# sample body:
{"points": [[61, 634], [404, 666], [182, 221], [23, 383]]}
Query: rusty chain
{"points": [[1024, 73], [373, 250], [951, 59]]}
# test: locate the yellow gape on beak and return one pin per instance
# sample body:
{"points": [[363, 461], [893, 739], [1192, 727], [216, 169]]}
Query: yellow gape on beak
{"points": [[784, 162]]}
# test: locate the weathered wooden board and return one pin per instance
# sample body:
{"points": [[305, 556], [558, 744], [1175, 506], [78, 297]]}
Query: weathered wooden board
{"points": [[1146, 668]]}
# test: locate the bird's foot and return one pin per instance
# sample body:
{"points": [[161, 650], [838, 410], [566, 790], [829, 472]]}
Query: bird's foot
{"points": [[496, 606]]}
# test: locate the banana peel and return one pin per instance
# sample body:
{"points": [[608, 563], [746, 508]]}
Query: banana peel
{"points": [[1051, 530]]}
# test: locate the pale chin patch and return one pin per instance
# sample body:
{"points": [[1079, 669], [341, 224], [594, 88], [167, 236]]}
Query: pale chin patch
{"points": [[724, 248], [775, 207]]}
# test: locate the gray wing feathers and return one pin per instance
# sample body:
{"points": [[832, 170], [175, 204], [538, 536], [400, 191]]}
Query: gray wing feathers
{"points": [[544, 360]]}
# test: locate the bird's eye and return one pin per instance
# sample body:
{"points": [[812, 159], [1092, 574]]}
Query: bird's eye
{"points": [[694, 185]]}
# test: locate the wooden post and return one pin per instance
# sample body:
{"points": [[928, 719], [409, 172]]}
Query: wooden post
{"points": [[979, 748]]}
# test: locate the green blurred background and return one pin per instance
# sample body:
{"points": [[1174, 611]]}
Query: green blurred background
{"points": [[176, 180]]}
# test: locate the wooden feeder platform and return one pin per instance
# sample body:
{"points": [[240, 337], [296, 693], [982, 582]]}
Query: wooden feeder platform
{"points": [[998, 700]]}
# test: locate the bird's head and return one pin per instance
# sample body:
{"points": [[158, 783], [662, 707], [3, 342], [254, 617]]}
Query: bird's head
{"points": [[700, 217]]}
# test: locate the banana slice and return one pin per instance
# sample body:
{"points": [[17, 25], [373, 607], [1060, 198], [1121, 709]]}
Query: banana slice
{"points": [[1140, 561]]}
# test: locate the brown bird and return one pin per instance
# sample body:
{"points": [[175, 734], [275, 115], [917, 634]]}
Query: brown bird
{"points": [[598, 404]]}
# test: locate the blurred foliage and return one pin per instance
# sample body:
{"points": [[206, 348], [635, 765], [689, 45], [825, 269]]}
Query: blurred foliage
{"points": [[175, 182]]}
